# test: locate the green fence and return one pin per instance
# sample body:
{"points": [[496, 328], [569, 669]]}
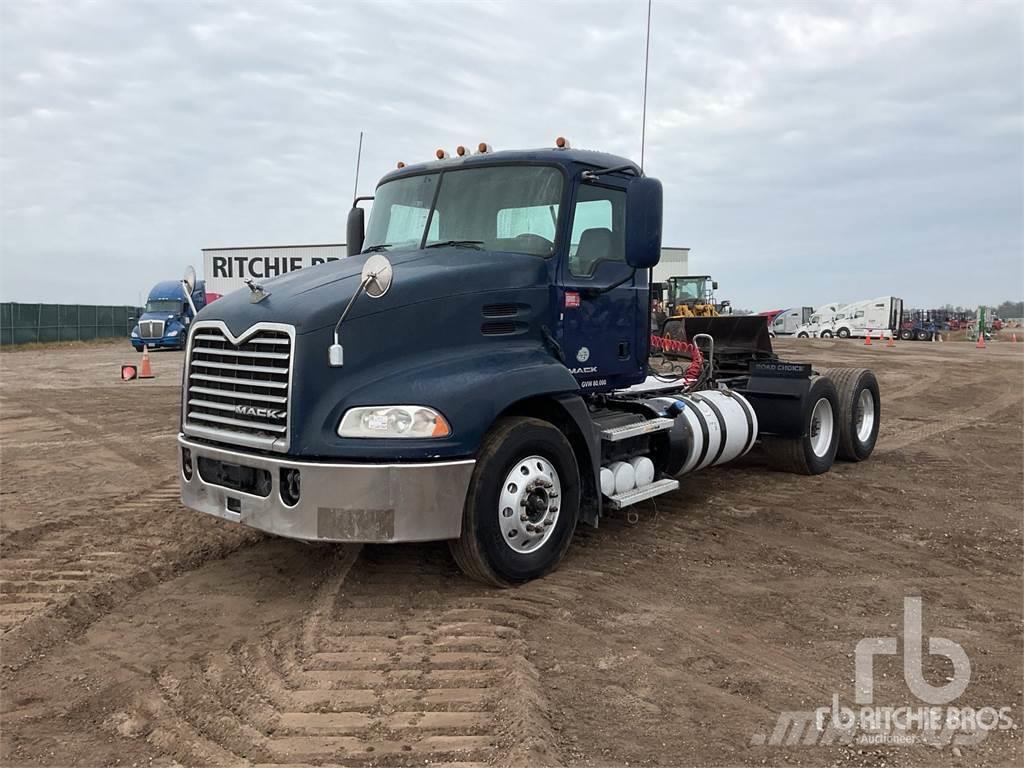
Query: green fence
{"points": [[26, 323]]}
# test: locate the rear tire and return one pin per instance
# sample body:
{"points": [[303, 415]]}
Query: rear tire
{"points": [[815, 452], [860, 411], [802, 335], [843, 333], [525, 468], [923, 335], [826, 334], [906, 334]]}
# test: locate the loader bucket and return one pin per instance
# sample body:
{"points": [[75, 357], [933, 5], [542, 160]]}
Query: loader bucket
{"points": [[738, 339]]}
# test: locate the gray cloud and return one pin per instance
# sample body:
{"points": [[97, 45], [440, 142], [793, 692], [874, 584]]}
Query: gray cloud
{"points": [[810, 152]]}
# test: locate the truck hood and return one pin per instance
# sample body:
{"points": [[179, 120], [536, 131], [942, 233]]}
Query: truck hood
{"points": [[314, 297], [165, 316]]}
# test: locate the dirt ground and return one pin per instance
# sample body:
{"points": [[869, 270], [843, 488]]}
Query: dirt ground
{"points": [[137, 632]]}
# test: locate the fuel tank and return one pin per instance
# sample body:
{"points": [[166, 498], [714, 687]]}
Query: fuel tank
{"points": [[712, 427]]}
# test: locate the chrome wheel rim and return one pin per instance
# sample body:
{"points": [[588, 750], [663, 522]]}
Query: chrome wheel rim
{"points": [[529, 503], [822, 427], [865, 415]]}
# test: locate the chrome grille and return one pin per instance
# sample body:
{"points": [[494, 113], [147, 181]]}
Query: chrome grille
{"points": [[237, 390], [151, 329]]}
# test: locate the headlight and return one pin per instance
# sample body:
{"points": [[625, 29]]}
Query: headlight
{"points": [[173, 333], [393, 421], [135, 334]]}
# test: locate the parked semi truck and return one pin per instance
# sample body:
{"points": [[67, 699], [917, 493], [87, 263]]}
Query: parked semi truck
{"points": [[170, 308], [478, 371], [880, 316]]}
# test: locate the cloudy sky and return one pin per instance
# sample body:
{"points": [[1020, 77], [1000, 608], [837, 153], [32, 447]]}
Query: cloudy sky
{"points": [[810, 151]]}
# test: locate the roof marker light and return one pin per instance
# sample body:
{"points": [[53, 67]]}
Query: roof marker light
{"points": [[483, 148], [441, 154], [562, 143], [461, 151], [401, 164]]}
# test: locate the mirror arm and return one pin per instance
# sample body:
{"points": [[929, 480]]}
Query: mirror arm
{"points": [[188, 298], [344, 314], [593, 293]]}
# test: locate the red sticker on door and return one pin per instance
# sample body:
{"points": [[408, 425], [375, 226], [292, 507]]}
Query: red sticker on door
{"points": [[572, 299]]}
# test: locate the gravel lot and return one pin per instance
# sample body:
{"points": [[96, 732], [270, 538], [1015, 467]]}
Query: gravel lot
{"points": [[136, 632]]}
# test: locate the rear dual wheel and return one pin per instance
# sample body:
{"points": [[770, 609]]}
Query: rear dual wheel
{"points": [[860, 410], [814, 452], [522, 504]]}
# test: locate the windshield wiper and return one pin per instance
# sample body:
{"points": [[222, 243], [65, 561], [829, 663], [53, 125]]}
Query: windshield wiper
{"points": [[377, 248], [458, 244]]}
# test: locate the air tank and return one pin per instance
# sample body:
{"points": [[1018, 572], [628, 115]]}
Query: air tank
{"points": [[713, 427]]}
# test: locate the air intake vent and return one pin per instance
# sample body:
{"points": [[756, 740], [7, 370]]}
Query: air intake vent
{"points": [[503, 328], [500, 310]]}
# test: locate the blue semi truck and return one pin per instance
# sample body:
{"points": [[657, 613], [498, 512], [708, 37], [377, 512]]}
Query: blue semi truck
{"points": [[167, 315], [480, 370]]}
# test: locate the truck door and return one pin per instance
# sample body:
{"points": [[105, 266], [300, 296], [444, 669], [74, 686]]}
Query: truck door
{"points": [[603, 312]]}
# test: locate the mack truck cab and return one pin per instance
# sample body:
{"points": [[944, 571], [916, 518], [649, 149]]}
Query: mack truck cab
{"points": [[480, 370], [167, 315]]}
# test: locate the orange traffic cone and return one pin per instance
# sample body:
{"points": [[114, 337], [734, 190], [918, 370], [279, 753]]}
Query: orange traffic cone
{"points": [[1015, 338], [892, 340], [867, 339], [981, 340], [145, 372]]}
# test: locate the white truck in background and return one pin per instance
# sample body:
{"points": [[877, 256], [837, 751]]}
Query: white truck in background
{"points": [[818, 323], [881, 316], [789, 321]]}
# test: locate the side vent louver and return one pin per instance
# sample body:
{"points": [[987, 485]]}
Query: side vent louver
{"points": [[500, 310], [502, 329]]}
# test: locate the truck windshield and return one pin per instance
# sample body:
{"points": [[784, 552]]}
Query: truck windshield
{"points": [[164, 305], [500, 208]]}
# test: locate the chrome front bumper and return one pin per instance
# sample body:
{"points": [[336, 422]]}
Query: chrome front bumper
{"points": [[338, 502]]}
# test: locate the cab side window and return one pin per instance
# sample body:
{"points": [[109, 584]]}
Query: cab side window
{"points": [[598, 229]]}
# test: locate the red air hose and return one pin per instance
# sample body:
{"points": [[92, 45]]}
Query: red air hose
{"points": [[681, 348]]}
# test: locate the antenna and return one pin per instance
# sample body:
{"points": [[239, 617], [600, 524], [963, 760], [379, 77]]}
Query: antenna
{"points": [[647, 56], [359, 157]]}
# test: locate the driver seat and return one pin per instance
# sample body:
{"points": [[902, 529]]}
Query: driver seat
{"points": [[595, 245]]}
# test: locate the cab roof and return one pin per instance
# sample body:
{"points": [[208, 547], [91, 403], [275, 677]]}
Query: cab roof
{"points": [[570, 159]]}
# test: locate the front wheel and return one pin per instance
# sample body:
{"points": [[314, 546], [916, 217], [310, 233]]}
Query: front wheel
{"points": [[843, 333], [826, 334], [522, 504], [814, 452]]}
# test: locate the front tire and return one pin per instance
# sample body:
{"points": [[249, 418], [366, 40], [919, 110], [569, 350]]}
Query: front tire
{"points": [[522, 504], [860, 411], [826, 334], [843, 333], [814, 452]]}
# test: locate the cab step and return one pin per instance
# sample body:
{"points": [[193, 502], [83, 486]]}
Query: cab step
{"points": [[628, 498], [626, 431]]}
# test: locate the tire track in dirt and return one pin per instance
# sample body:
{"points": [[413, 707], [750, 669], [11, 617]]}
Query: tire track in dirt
{"points": [[57, 579], [119, 441], [905, 437], [395, 664]]}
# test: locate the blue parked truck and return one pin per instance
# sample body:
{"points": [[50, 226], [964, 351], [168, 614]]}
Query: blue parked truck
{"points": [[167, 315], [479, 371]]}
